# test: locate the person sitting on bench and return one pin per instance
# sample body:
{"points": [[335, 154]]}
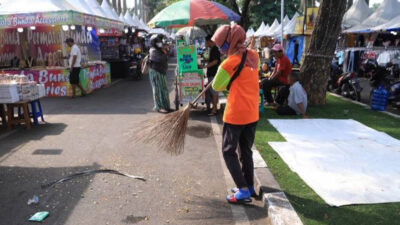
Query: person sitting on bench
{"points": [[279, 76], [297, 100]]}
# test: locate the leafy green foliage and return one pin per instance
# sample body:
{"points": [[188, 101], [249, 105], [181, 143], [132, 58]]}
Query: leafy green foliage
{"points": [[268, 10]]}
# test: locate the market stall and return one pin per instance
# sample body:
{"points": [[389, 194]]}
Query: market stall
{"points": [[32, 43], [190, 79]]}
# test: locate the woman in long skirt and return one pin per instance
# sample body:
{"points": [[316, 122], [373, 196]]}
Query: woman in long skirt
{"points": [[158, 71]]}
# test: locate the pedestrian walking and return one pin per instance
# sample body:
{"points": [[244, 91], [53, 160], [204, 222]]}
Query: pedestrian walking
{"points": [[75, 58], [212, 67], [158, 66], [296, 53], [238, 74]]}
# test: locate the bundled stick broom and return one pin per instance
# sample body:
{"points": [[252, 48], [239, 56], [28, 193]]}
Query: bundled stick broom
{"points": [[167, 131]]}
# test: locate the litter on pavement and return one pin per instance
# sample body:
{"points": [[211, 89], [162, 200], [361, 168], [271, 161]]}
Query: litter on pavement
{"points": [[89, 172], [33, 200], [39, 216]]}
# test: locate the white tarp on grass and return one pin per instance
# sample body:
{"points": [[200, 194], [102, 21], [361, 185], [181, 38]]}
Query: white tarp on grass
{"points": [[343, 161]]}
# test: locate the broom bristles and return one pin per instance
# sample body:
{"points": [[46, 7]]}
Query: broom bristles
{"points": [[167, 131]]}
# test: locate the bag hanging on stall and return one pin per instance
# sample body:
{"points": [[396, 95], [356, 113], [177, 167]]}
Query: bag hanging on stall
{"points": [[145, 65]]}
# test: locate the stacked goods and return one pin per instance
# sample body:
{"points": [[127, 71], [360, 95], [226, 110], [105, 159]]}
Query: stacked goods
{"points": [[14, 88], [8, 93]]}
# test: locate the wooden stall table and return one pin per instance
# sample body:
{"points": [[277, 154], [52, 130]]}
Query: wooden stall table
{"points": [[12, 120]]}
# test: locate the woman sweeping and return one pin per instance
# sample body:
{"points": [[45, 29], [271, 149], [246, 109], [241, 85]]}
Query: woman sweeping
{"points": [[239, 74], [158, 67]]}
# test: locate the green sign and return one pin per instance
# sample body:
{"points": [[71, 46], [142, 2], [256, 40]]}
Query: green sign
{"points": [[190, 85], [187, 58]]}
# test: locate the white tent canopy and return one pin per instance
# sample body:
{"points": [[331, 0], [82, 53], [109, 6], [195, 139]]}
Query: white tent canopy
{"points": [[266, 29], [128, 18], [105, 6], [291, 26], [250, 32], [278, 30], [158, 31], [96, 8], [357, 13], [81, 6], [391, 25], [274, 28], [34, 6], [122, 19], [386, 11], [260, 29], [115, 14], [145, 27]]}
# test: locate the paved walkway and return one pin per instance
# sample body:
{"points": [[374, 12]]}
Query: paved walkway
{"points": [[94, 132]]}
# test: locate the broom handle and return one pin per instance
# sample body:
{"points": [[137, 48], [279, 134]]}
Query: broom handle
{"points": [[202, 93]]}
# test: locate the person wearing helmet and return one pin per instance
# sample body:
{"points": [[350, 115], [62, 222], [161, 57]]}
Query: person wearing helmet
{"points": [[238, 74], [158, 66]]}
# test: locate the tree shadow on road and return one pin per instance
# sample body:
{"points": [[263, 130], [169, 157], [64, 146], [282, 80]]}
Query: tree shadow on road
{"points": [[18, 184], [17, 140]]}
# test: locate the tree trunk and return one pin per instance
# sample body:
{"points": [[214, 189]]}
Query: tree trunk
{"points": [[315, 70], [349, 4], [119, 6], [243, 13], [125, 7], [114, 5]]}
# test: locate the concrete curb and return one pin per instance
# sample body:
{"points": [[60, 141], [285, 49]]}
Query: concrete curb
{"points": [[280, 211], [365, 105]]}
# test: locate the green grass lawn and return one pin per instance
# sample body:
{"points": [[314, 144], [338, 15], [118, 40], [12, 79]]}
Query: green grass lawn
{"points": [[309, 206]]}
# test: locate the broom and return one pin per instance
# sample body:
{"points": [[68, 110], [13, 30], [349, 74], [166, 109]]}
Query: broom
{"points": [[167, 131]]}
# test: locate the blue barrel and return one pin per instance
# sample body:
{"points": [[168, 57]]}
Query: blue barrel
{"points": [[261, 101], [379, 99]]}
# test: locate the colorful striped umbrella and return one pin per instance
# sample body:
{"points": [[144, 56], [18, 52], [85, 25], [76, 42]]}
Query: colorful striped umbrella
{"points": [[193, 12]]}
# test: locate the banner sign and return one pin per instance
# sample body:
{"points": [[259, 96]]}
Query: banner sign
{"points": [[88, 42], [56, 18], [311, 18], [187, 58], [10, 46], [56, 81], [190, 85], [44, 43]]}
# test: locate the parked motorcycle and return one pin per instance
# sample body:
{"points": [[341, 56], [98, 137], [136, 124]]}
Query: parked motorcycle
{"points": [[386, 76], [135, 69], [345, 84]]}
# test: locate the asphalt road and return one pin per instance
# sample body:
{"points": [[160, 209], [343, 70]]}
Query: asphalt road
{"points": [[95, 132]]}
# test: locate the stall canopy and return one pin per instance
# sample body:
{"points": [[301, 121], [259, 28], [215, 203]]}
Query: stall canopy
{"points": [[130, 21], [386, 11], [158, 31], [392, 25], [105, 6], [144, 26], [193, 12], [272, 28], [260, 29], [96, 8], [34, 6], [278, 30], [291, 26], [191, 32], [250, 32], [115, 14], [51, 12], [357, 13], [81, 6]]}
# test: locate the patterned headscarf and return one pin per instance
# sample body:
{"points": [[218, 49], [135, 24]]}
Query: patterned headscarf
{"points": [[235, 36]]}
